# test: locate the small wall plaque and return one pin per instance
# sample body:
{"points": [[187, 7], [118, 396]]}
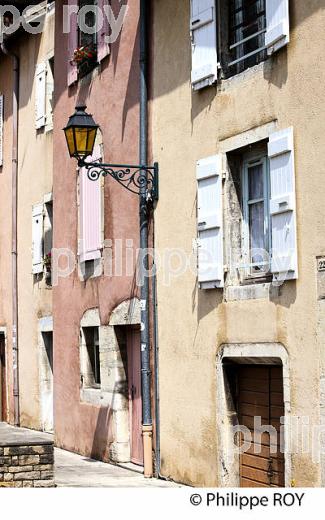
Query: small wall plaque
{"points": [[321, 264]]}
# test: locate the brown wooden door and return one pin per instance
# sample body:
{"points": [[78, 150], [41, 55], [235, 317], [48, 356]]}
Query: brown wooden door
{"points": [[135, 401], [260, 393], [3, 385]]}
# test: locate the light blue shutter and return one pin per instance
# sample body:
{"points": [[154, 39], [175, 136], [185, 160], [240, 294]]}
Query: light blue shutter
{"points": [[204, 43], [40, 95], [284, 263], [210, 225], [277, 24], [37, 237]]}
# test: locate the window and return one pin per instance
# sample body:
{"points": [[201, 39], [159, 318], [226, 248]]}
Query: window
{"points": [[42, 238], [246, 210], [44, 89], [93, 44], [234, 35], [87, 40], [247, 27], [93, 379], [255, 179]]}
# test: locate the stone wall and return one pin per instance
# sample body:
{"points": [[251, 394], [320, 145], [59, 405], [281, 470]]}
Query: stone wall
{"points": [[27, 466]]}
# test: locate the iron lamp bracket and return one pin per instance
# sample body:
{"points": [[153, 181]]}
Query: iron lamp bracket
{"points": [[135, 178]]}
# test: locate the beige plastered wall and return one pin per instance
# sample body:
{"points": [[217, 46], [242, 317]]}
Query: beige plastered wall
{"points": [[35, 181], [287, 90]]}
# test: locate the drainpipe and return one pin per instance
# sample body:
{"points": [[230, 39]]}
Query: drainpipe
{"points": [[144, 264], [15, 94], [156, 365]]}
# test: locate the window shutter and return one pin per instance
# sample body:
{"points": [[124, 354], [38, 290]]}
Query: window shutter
{"points": [[72, 45], [204, 43], [37, 238], [1, 130], [40, 95], [210, 225], [90, 243], [284, 263], [277, 25], [102, 47], [49, 97]]}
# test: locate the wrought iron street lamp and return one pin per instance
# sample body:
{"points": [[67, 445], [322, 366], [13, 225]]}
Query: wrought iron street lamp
{"points": [[142, 179], [80, 134]]}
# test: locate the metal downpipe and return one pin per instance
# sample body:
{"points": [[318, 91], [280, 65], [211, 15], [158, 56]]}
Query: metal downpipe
{"points": [[144, 263]]}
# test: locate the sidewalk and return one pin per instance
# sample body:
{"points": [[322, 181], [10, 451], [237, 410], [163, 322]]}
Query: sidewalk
{"points": [[72, 470]]}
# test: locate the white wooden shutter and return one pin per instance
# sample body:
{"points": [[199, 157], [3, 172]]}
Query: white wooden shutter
{"points": [[1, 129], [49, 102], [284, 263], [37, 237], [90, 242], [210, 225], [204, 43], [40, 95], [277, 24]]}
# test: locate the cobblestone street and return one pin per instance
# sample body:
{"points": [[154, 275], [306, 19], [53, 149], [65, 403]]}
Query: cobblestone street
{"points": [[73, 470]]}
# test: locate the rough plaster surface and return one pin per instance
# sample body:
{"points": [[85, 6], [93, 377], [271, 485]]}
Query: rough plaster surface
{"points": [[193, 324], [35, 160]]}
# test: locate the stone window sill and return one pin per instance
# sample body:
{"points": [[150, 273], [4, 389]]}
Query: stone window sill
{"points": [[257, 291]]}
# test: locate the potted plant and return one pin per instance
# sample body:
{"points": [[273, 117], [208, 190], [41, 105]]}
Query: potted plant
{"points": [[85, 57]]}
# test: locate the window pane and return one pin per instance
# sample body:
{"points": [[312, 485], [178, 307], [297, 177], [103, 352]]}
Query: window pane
{"points": [[256, 232], [247, 22], [90, 21], [97, 365], [92, 345], [255, 182]]}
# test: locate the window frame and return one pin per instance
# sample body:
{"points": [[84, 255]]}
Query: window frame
{"points": [[92, 382], [249, 160], [226, 52], [88, 65]]}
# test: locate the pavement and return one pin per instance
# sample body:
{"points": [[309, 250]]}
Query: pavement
{"points": [[72, 470], [12, 436]]}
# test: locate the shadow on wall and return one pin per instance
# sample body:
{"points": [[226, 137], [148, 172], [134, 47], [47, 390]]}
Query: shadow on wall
{"points": [[28, 59], [83, 88], [174, 70], [103, 435]]}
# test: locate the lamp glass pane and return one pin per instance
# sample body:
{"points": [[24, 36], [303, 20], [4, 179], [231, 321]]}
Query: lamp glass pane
{"points": [[81, 141], [69, 134], [91, 140]]}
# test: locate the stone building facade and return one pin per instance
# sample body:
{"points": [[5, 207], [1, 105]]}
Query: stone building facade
{"points": [[96, 342], [31, 136], [237, 120]]}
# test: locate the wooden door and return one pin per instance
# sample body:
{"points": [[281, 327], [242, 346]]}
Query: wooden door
{"points": [[47, 383], [135, 401], [3, 385], [260, 393]]}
